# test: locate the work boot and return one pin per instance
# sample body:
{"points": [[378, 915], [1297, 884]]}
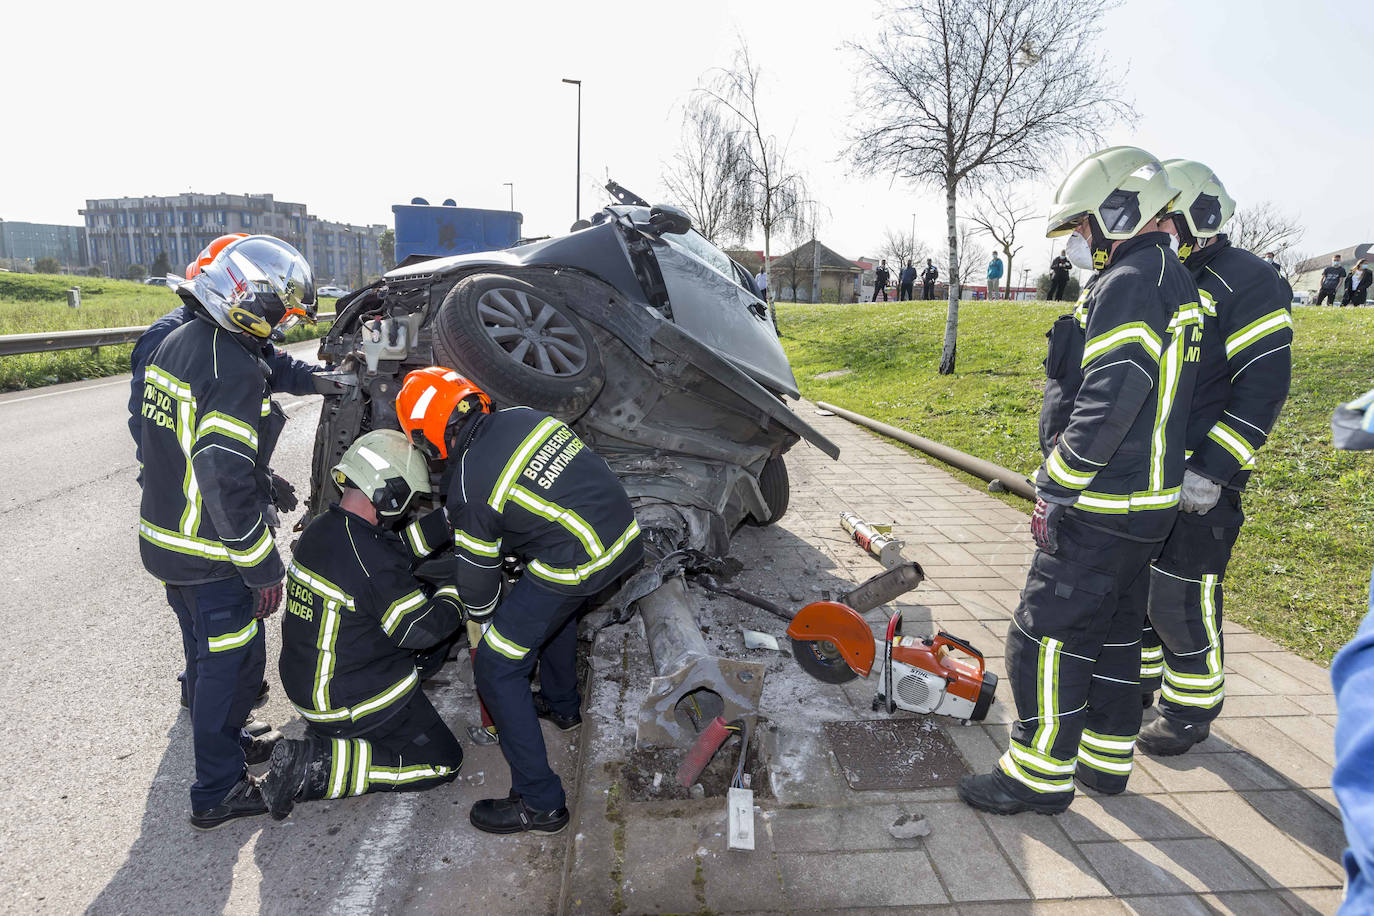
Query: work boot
{"points": [[545, 711], [286, 778], [256, 727], [988, 792], [1166, 738], [243, 800], [1147, 699], [258, 748], [511, 815]]}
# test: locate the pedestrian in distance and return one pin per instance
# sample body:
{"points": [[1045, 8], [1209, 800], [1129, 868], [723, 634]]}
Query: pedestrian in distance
{"points": [[906, 283], [1271, 259], [1059, 276], [1120, 374], [928, 277], [995, 275], [1357, 284], [204, 520], [761, 283], [356, 627], [1244, 369], [881, 277], [1333, 275], [521, 483]]}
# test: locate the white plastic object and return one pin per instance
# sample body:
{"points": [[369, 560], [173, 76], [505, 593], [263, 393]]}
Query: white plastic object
{"points": [[740, 808]]}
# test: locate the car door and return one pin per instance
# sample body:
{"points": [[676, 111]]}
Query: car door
{"points": [[709, 300]]}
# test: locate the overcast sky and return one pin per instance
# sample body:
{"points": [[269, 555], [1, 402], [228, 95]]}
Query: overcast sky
{"points": [[351, 108]]}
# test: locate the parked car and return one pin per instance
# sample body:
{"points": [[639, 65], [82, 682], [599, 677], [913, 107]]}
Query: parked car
{"points": [[647, 339], [331, 292], [159, 281]]}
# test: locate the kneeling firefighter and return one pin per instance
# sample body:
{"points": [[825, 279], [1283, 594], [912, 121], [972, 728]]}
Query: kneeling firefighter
{"points": [[1243, 377], [520, 483], [1116, 406], [357, 619]]}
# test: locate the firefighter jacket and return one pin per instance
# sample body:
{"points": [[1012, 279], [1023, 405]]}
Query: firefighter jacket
{"points": [[1246, 361], [1120, 374], [208, 429], [355, 616], [526, 486], [289, 375]]}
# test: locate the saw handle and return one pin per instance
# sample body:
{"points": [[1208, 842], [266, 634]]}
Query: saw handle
{"points": [[946, 641]]}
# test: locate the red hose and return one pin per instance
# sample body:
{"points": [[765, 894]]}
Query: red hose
{"points": [[705, 747]]}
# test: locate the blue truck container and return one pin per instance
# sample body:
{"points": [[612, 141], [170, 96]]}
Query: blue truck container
{"points": [[430, 231]]}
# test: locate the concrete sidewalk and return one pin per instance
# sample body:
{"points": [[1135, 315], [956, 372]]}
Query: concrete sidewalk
{"points": [[1244, 823]]}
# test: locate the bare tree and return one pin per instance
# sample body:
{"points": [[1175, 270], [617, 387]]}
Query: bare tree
{"points": [[1290, 260], [957, 92], [1261, 227], [967, 256], [774, 194], [997, 215], [706, 175], [900, 247]]}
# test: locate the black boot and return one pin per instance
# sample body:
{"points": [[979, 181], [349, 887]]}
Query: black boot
{"points": [[243, 800], [544, 711], [1088, 777], [510, 815], [286, 778], [258, 748], [989, 792], [256, 727], [1166, 738]]}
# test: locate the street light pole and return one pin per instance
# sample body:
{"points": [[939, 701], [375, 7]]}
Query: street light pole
{"points": [[578, 180], [511, 185], [913, 237]]}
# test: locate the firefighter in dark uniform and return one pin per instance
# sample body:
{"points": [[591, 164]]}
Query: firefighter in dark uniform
{"points": [[928, 278], [521, 483], [1243, 377], [207, 438], [1116, 407], [356, 622]]}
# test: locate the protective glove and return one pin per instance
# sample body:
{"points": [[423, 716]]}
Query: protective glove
{"points": [[1045, 522], [283, 494], [481, 616], [1198, 493], [266, 600]]}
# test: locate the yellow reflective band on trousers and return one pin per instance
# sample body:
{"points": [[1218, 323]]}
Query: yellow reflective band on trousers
{"points": [[353, 773], [511, 650], [1202, 691], [1110, 754], [235, 640]]}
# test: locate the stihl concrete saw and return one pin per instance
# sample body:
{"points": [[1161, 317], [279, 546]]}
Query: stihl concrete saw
{"points": [[943, 674]]}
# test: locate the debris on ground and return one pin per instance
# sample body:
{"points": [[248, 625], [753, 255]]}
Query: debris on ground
{"points": [[909, 827], [753, 639]]}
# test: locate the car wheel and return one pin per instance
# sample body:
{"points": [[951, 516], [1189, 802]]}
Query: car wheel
{"points": [[521, 343], [776, 489]]}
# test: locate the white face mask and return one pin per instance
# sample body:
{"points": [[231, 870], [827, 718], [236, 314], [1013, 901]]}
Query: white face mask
{"points": [[1173, 243], [1079, 253]]}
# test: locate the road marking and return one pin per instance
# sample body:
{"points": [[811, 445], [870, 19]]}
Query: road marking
{"points": [[53, 394]]}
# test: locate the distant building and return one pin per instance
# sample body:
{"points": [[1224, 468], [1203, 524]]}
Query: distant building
{"points": [[1307, 276], [21, 241], [748, 258], [791, 275], [334, 251]]}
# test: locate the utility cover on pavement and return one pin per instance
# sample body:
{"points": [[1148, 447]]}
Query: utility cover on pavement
{"points": [[905, 753]]}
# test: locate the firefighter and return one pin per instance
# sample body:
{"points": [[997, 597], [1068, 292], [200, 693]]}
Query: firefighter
{"points": [[208, 433], [928, 277], [520, 483], [356, 624], [1243, 376], [1116, 404]]}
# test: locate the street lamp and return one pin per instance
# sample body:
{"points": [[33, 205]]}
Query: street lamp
{"points": [[578, 179], [511, 185]]}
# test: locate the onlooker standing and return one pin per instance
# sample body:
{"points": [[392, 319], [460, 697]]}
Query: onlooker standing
{"points": [[928, 277], [761, 283], [1059, 276], [881, 276], [994, 274], [1270, 260], [906, 283], [1357, 284], [1331, 281]]}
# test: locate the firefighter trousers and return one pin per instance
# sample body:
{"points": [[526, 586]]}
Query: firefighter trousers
{"points": [[532, 624], [412, 750], [1182, 651], [1073, 660], [226, 653]]}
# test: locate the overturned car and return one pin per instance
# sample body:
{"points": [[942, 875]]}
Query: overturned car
{"points": [[654, 346]]}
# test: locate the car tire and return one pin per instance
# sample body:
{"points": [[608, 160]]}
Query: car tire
{"points": [[777, 491], [521, 343]]}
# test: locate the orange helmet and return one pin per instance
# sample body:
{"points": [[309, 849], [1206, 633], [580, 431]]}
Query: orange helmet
{"points": [[429, 399], [210, 252]]}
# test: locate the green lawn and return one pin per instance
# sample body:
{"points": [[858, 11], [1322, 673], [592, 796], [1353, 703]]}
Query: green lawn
{"points": [[1300, 573], [37, 303]]}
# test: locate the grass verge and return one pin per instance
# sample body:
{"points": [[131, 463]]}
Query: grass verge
{"points": [[37, 303], [1300, 571]]}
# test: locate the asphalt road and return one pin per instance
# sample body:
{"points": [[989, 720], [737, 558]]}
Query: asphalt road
{"points": [[96, 751]]}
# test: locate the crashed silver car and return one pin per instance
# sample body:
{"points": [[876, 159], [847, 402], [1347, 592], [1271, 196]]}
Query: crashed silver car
{"points": [[654, 346]]}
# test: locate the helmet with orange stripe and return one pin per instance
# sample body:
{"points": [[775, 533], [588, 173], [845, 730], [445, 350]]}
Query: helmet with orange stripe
{"points": [[430, 401], [210, 252]]}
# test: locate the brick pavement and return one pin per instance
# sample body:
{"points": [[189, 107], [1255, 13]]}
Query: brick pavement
{"points": [[1244, 823]]}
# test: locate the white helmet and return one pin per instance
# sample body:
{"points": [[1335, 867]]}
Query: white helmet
{"points": [[1202, 199], [256, 285]]}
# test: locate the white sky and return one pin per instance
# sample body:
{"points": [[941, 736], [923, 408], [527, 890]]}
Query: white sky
{"points": [[352, 107]]}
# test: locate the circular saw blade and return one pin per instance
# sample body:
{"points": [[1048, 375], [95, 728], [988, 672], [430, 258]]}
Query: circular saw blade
{"points": [[822, 660]]}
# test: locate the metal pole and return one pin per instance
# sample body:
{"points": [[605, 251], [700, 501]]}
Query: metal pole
{"points": [[511, 185], [577, 182]]}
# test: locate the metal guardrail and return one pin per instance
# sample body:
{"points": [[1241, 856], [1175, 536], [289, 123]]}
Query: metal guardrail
{"points": [[21, 344]]}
